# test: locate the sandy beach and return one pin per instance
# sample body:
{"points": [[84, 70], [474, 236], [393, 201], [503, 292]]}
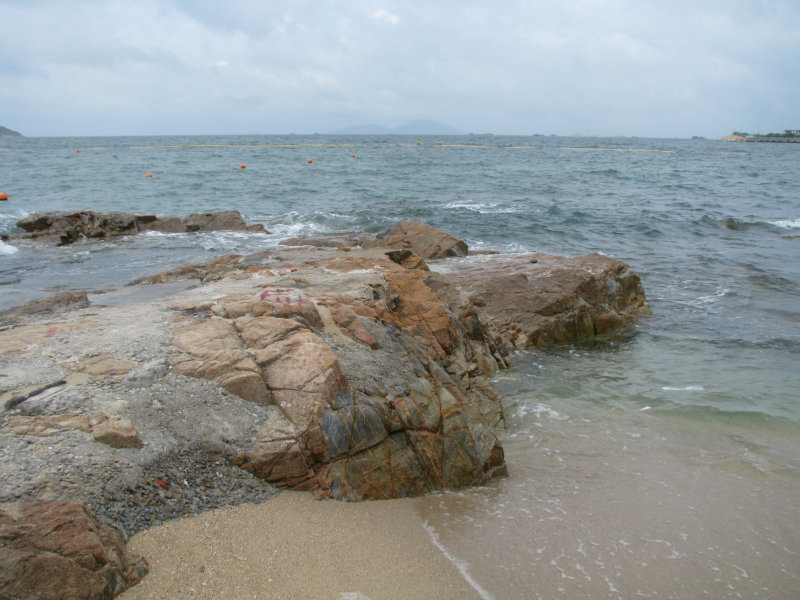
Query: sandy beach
{"points": [[297, 547]]}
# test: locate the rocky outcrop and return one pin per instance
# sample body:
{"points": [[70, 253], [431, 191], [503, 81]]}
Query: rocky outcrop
{"points": [[229, 220], [53, 550], [383, 391], [532, 300], [324, 347], [49, 306], [113, 431], [421, 239], [357, 374], [67, 227]]}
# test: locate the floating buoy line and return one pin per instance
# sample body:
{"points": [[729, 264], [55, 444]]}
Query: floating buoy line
{"points": [[320, 145], [621, 149]]}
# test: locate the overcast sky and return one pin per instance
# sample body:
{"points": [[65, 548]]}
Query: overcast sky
{"points": [[661, 68]]}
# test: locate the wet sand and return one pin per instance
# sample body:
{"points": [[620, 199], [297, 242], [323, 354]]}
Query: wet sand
{"points": [[638, 505], [296, 547]]}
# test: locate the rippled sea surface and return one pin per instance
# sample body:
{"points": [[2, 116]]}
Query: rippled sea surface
{"points": [[662, 461]]}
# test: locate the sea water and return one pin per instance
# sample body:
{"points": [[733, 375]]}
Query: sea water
{"points": [[662, 461]]}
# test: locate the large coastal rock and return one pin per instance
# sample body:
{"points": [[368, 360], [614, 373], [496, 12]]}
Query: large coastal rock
{"points": [[67, 227], [354, 373], [57, 550], [532, 300], [383, 391]]}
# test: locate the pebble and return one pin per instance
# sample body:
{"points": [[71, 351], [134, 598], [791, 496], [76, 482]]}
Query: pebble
{"points": [[196, 483]]}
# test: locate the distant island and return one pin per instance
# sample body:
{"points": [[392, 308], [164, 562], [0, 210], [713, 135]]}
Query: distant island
{"points": [[6, 132], [790, 136], [418, 127]]}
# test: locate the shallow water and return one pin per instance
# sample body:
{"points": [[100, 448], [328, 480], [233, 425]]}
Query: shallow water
{"points": [[659, 462], [608, 501]]}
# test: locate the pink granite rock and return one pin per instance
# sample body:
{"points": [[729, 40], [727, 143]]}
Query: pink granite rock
{"points": [[57, 550]]}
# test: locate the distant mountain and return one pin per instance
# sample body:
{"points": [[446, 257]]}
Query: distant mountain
{"points": [[6, 132], [418, 127]]}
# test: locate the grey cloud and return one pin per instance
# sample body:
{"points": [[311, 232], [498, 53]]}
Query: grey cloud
{"points": [[626, 67]]}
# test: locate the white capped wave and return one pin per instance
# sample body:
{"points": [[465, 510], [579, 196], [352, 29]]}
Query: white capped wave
{"points": [[688, 388], [483, 208], [8, 220], [295, 224], [505, 248], [713, 297], [7, 249], [286, 230], [204, 235], [786, 223]]}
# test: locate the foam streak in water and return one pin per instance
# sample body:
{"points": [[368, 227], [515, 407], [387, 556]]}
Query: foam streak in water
{"points": [[786, 223], [7, 249], [462, 567], [688, 388]]}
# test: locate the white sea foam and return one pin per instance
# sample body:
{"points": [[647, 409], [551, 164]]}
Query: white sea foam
{"points": [[505, 247], [688, 388], [713, 297], [540, 411], [462, 566], [786, 223], [482, 208], [706, 300], [7, 249]]}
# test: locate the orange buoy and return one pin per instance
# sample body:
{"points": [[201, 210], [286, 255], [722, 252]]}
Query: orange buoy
{"points": [[310, 161], [77, 150], [352, 156], [242, 166], [148, 174], [3, 196]]}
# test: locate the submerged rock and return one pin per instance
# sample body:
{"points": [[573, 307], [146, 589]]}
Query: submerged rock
{"points": [[68, 227]]}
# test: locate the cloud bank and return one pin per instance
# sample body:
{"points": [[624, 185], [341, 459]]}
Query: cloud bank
{"points": [[589, 67]]}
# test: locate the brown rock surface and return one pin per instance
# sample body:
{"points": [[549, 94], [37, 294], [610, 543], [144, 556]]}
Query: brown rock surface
{"points": [[50, 305], [56, 550], [117, 432], [66, 228], [114, 431], [534, 300], [357, 374], [105, 368], [339, 354], [423, 240]]}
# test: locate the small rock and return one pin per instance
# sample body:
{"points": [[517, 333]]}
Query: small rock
{"points": [[117, 433]]}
